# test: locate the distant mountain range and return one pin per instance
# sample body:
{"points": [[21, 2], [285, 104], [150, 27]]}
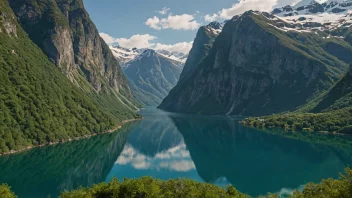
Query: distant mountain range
{"points": [[265, 63], [151, 74], [307, 7]]}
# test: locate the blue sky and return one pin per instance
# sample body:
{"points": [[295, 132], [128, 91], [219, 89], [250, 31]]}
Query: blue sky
{"points": [[141, 24]]}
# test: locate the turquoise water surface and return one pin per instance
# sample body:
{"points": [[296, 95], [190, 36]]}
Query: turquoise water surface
{"points": [[164, 145]]}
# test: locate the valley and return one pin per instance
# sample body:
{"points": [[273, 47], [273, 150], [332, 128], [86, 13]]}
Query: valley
{"points": [[249, 101]]}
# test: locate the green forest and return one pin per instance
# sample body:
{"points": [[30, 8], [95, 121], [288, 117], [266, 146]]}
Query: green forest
{"points": [[38, 105], [183, 188], [339, 121]]}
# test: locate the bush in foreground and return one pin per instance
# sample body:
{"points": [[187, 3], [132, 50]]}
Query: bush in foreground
{"points": [[5, 192], [148, 187]]}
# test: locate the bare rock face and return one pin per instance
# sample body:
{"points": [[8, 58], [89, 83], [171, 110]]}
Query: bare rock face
{"points": [[201, 47], [8, 26], [64, 31], [254, 68]]}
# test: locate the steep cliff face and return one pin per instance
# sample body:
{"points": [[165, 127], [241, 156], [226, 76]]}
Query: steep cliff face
{"points": [[152, 75], [255, 68], [64, 31], [38, 104], [201, 47]]}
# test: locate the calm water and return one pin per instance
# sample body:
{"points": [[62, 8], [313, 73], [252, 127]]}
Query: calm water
{"points": [[163, 145]]}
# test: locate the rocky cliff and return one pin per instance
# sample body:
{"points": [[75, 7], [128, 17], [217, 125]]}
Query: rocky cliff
{"points": [[38, 104], [257, 67], [66, 34], [201, 47]]}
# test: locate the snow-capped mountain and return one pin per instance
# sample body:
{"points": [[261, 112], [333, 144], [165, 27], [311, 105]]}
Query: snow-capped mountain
{"points": [[152, 75], [328, 19], [124, 55], [177, 56], [308, 7]]}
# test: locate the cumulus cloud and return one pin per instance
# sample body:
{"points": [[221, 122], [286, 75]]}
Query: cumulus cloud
{"points": [[154, 23], [176, 159], [245, 5], [138, 40], [107, 38], [211, 18], [183, 47], [164, 10], [146, 41], [175, 22]]}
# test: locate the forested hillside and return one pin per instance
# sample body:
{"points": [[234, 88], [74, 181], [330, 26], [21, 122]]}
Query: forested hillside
{"points": [[38, 105]]}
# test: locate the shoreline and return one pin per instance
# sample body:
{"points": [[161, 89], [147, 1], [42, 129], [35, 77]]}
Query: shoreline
{"points": [[123, 122]]}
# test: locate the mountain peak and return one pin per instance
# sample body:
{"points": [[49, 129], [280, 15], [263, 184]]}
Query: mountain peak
{"points": [[149, 52], [215, 25], [309, 7]]}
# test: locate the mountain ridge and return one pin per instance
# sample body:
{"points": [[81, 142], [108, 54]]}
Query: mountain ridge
{"points": [[67, 35], [253, 85], [152, 75]]}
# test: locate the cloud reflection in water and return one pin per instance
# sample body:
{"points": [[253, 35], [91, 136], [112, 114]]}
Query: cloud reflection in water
{"points": [[174, 159]]}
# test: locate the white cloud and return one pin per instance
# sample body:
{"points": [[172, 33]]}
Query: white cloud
{"points": [[107, 38], [176, 159], [146, 41], [153, 23], [211, 18], [176, 22], [164, 10], [138, 40], [183, 47], [245, 5]]}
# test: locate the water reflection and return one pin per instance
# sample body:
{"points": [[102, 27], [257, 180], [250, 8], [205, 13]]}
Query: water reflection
{"points": [[164, 145], [154, 148], [218, 150], [49, 170], [253, 161]]}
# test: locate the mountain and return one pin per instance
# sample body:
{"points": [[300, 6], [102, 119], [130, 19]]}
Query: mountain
{"points": [[307, 7], [177, 56], [261, 64], [38, 104], [339, 97], [124, 55], [67, 35], [330, 113], [152, 75], [202, 46]]}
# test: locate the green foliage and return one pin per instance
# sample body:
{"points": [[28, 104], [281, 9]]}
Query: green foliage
{"points": [[328, 188], [5, 192], [149, 187], [338, 121], [331, 112], [38, 105]]}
